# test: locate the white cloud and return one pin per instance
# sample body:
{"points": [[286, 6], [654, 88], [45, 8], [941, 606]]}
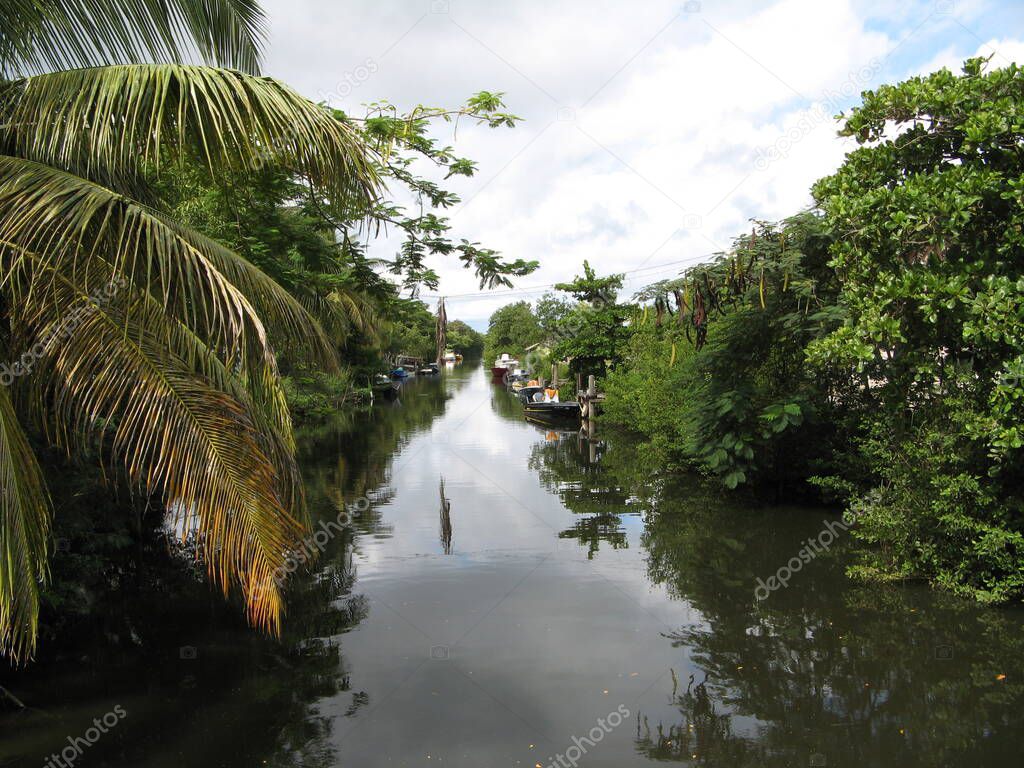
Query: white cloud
{"points": [[670, 109]]}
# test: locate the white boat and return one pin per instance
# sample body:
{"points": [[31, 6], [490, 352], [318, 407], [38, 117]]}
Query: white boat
{"points": [[503, 365]]}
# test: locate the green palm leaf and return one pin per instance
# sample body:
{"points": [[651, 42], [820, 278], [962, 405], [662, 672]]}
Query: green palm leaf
{"points": [[122, 120], [24, 536], [42, 35], [213, 290]]}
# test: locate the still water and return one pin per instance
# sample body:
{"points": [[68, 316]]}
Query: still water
{"points": [[501, 594]]}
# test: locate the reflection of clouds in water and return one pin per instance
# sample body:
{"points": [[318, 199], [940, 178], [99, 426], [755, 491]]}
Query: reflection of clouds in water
{"points": [[536, 631]]}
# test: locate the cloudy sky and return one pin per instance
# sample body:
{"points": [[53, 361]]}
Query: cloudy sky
{"points": [[653, 130]]}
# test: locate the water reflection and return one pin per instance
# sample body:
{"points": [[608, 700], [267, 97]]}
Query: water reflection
{"points": [[581, 581], [825, 672], [205, 689], [446, 522]]}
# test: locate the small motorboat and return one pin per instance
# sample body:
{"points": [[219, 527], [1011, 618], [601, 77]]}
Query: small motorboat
{"points": [[383, 386], [399, 373], [428, 370], [527, 392], [552, 411]]}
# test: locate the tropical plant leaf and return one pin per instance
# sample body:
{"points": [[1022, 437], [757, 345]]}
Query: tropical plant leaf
{"points": [[24, 536], [68, 221], [118, 121], [44, 35], [106, 376]]}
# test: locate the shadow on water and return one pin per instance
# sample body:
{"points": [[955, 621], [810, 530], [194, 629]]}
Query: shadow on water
{"points": [[214, 692]]}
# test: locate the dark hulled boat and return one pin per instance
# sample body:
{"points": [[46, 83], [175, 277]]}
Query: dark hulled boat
{"points": [[553, 411]]}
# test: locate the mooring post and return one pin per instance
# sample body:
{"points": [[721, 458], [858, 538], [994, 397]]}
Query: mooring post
{"points": [[591, 386]]}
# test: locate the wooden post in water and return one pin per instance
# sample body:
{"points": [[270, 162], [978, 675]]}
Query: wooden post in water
{"points": [[591, 386], [441, 332]]}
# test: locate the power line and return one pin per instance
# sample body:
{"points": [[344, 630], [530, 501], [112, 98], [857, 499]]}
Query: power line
{"points": [[535, 288]]}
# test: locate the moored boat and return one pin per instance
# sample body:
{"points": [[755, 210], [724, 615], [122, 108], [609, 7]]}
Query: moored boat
{"points": [[527, 392], [383, 386], [552, 411], [503, 365]]}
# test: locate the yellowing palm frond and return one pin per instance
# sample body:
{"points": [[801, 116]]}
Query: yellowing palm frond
{"points": [[171, 370], [205, 451]]}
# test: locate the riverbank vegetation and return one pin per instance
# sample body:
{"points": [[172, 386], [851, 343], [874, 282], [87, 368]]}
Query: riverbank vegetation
{"points": [[867, 352], [183, 250], [185, 259]]}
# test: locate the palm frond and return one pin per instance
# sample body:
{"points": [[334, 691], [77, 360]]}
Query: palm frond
{"points": [[44, 35], [68, 221], [106, 375], [24, 536], [120, 120]]}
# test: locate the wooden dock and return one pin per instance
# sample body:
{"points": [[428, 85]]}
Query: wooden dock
{"points": [[590, 399]]}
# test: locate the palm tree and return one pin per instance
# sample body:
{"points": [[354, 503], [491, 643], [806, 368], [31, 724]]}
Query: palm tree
{"points": [[124, 329]]}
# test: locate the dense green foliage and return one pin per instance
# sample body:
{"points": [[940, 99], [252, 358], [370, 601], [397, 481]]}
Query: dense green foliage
{"points": [[465, 340], [717, 374], [871, 349], [928, 217], [511, 329]]}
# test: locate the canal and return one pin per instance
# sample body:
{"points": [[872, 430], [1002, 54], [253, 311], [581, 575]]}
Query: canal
{"points": [[493, 593]]}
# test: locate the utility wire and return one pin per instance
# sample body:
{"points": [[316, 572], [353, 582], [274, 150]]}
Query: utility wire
{"points": [[534, 288]]}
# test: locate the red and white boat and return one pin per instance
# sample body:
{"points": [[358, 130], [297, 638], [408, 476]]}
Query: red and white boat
{"points": [[503, 365]]}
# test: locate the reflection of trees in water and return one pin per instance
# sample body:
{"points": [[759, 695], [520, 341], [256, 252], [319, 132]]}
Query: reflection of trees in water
{"points": [[704, 737], [826, 671], [347, 465], [572, 467], [833, 672]]}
